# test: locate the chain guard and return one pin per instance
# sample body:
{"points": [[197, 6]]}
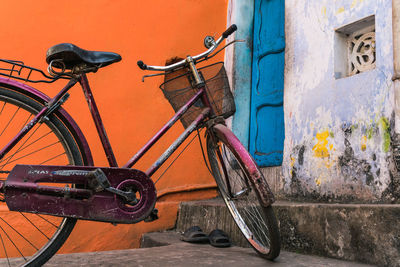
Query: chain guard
{"points": [[42, 189]]}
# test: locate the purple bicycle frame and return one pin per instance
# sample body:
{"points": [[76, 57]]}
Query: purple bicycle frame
{"points": [[157, 164], [102, 132]]}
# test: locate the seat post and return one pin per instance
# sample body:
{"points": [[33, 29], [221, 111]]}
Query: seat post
{"points": [[97, 121]]}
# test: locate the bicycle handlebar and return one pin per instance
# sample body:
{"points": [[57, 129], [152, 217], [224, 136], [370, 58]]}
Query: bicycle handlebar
{"points": [[229, 31], [181, 63]]}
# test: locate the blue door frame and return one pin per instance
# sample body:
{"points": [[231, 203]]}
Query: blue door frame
{"points": [[259, 122]]}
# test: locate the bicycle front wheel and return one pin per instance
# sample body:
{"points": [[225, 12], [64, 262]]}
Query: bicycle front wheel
{"points": [[31, 239], [230, 170]]}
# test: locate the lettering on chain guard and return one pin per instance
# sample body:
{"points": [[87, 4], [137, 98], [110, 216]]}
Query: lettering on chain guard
{"points": [[47, 190]]}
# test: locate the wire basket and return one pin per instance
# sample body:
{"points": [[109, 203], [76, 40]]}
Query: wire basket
{"points": [[178, 89]]}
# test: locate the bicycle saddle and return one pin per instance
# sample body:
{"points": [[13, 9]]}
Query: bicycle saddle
{"points": [[71, 55]]}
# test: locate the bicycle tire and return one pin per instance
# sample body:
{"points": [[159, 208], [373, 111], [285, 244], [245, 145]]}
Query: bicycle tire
{"points": [[258, 224], [56, 230]]}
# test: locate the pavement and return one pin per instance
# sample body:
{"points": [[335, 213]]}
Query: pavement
{"points": [[168, 251]]}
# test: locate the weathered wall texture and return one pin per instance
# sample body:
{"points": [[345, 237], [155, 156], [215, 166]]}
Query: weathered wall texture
{"points": [[338, 130]]}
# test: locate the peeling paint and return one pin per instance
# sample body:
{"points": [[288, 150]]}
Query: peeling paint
{"points": [[340, 10], [355, 3], [323, 11], [321, 148], [363, 143], [384, 123]]}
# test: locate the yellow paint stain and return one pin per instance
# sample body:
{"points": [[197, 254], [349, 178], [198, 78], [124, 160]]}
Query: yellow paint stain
{"points": [[363, 143], [355, 2], [321, 148], [324, 11], [340, 10], [330, 147], [292, 161], [318, 182], [328, 164]]}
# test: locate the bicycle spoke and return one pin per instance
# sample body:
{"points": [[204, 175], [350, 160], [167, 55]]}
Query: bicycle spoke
{"points": [[59, 155], [5, 250], [232, 167], [2, 166], [35, 226], [259, 224], [12, 242], [15, 230], [2, 108], [55, 226], [15, 113], [252, 216], [24, 124], [23, 144], [23, 148]]}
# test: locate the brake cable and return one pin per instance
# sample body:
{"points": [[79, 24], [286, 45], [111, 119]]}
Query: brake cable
{"points": [[222, 48], [177, 157]]}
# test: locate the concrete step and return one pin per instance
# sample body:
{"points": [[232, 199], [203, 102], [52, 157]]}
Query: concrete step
{"points": [[355, 232]]}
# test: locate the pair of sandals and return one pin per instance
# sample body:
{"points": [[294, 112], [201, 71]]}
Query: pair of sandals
{"points": [[216, 238]]}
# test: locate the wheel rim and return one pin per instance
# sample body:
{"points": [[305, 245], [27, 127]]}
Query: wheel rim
{"points": [[241, 198], [25, 237]]}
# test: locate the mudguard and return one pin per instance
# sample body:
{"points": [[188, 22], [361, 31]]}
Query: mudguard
{"points": [[263, 189]]}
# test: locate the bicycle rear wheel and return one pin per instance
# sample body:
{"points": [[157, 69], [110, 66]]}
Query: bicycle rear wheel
{"points": [[31, 239], [257, 223]]}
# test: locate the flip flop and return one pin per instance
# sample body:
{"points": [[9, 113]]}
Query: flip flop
{"points": [[219, 238], [194, 234]]}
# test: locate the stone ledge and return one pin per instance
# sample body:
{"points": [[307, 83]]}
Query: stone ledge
{"points": [[367, 233]]}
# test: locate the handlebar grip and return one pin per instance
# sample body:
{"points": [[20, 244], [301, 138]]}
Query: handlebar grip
{"points": [[142, 65], [229, 31]]}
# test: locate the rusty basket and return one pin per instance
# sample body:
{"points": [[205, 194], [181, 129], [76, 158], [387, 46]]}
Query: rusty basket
{"points": [[178, 89]]}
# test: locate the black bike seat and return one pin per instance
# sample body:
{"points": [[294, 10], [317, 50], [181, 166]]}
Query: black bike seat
{"points": [[72, 55]]}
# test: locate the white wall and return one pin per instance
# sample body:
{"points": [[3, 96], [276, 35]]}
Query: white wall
{"points": [[338, 131]]}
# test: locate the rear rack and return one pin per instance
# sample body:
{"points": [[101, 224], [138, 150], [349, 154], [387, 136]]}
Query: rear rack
{"points": [[18, 70]]}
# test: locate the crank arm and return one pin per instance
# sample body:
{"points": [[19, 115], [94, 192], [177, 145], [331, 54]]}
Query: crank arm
{"points": [[129, 196], [100, 182]]}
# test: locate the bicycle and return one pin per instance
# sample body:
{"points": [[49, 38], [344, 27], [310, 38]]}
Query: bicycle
{"points": [[50, 198]]}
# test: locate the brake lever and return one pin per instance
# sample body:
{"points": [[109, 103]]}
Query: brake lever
{"points": [[152, 75]]}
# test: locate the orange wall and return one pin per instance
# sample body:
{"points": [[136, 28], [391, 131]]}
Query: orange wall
{"points": [[132, 111]]}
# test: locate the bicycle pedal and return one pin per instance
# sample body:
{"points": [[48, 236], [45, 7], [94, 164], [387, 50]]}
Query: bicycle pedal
{"points": [[153, 216], [99, 182]]}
